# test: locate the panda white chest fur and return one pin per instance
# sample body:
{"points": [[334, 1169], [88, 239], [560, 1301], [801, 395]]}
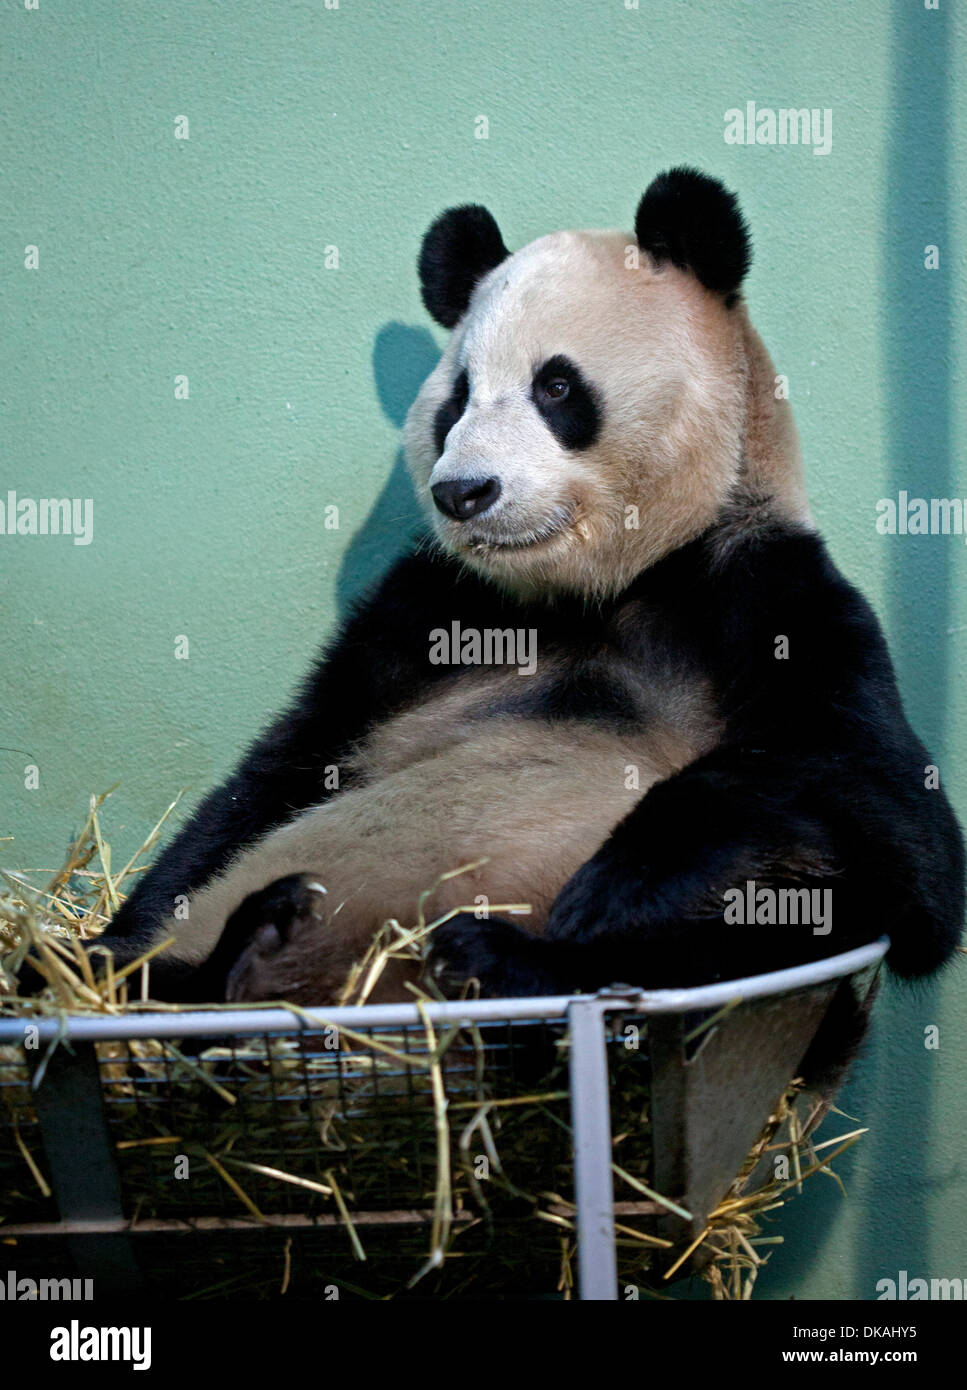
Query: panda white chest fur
{"points": [[699, 699]]}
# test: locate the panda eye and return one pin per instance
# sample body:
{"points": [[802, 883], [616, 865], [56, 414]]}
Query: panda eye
{"points": [[570, 405], [557, 389]]}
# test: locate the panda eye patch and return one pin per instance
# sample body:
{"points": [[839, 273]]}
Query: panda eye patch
{"points": [[567, 402], [451, 410]]}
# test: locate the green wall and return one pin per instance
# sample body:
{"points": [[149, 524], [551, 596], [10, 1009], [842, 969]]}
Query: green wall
{"points": [[352, 127]]}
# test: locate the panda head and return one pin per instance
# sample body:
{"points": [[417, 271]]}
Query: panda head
{"points": [[603, 399]]}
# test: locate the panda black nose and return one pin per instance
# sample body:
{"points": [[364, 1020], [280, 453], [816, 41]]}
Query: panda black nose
{"points": [[462, 498]]}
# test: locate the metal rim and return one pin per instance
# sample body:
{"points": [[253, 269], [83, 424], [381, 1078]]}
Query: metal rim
{"points": [[217, 1022]]}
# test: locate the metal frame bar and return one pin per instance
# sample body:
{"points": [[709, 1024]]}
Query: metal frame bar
{"points": [[185, 1023], [78, 1148], [591, 1130]]}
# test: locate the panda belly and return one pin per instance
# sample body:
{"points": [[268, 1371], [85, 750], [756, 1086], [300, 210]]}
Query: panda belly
{"points": [[524, 801]]}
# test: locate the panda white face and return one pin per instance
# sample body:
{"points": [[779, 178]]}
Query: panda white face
{"points": [[590, 411], [585, 419]]}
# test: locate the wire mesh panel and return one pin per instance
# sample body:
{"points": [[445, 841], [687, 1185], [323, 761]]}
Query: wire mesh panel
{"points": [[292, 1123], [26, 1193], [352, 1159]]}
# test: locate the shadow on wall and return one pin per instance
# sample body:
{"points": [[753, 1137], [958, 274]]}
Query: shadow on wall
{"points": [[891, 1088], [916, 333], [403, 358]]}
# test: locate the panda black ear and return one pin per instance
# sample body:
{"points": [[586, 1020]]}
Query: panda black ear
{"points": [[692, 220], [459, 249]]}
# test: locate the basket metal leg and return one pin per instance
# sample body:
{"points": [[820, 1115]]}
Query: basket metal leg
{"points": [[591, 1126], [79, 1152]]}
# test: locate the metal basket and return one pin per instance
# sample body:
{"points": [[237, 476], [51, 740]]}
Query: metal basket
{"points": [[687, 1077]]}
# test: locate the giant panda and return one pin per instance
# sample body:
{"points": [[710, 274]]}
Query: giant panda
{"points": [[683, 694]]}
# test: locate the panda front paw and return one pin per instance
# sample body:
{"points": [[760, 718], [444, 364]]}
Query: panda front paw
{"points": [[508, 963], [604, 898]]}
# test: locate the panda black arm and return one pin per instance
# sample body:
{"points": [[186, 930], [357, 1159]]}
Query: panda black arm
{"points": [[377, 664], [818, 783]]}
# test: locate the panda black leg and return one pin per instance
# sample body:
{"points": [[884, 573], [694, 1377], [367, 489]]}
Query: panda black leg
{"points": [[838, 1040], [30, 982], [171, 981]]}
